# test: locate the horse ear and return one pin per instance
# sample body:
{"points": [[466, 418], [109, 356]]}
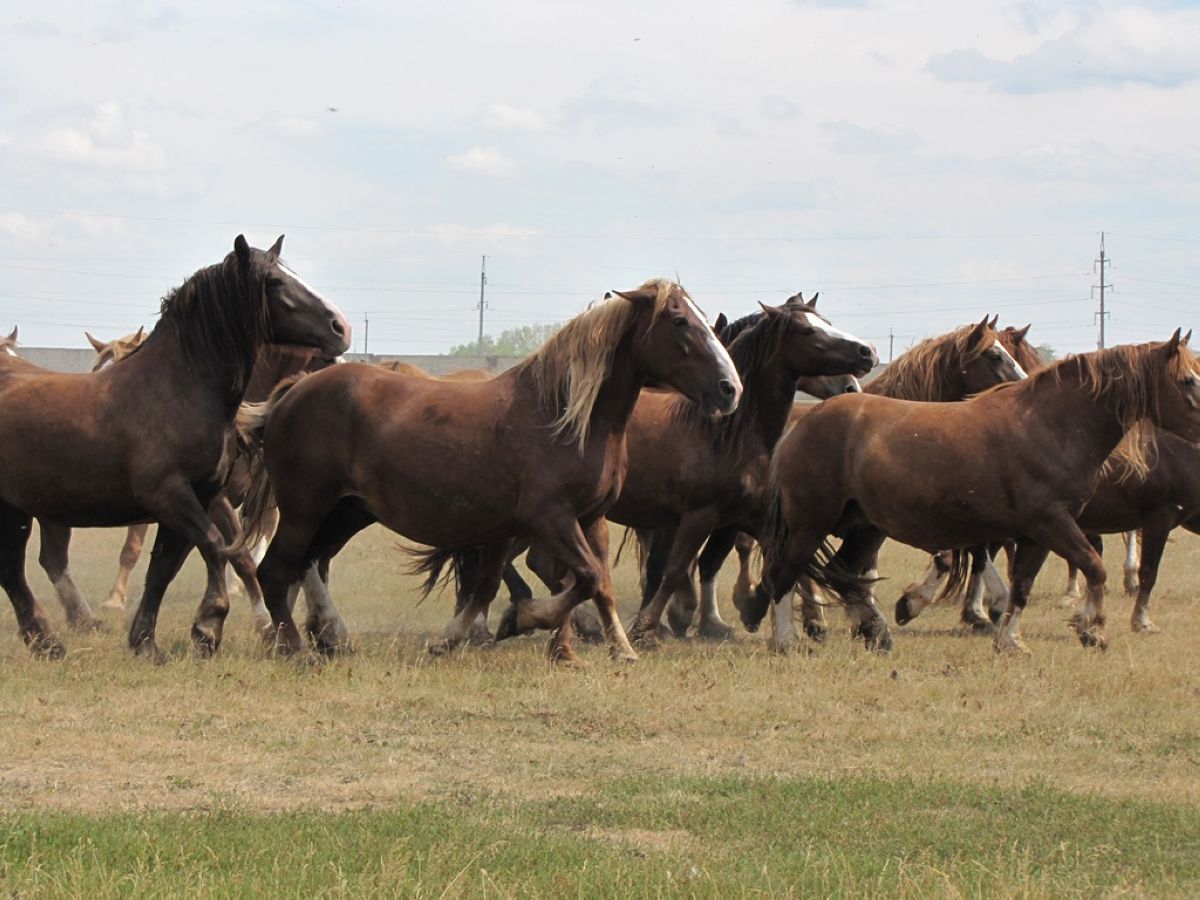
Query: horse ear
{"points": [[276, 248], [1173, 341], [140, 332], [813, 302], [242, 249], [1187, 337], [1024, 331], [98, 346], [12, 335], [770, 310], [721, 324], [797, 299], [995, 319]]}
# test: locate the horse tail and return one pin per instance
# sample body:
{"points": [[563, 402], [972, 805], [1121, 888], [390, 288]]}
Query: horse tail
{"points": [[957, 576], [251, 424], [431, 563], [641, 545]]}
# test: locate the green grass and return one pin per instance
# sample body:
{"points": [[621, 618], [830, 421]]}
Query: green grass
{"points": [[645, 836]]}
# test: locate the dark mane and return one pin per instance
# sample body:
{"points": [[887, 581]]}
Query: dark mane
{"points": [[756, 339], [219, 317]]}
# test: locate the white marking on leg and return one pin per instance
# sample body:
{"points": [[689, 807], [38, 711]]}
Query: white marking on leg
{"points": [[322, 609], [975, 598], [783, 622], [996, 591], [708, 602], [921, 594], [76, 606]]}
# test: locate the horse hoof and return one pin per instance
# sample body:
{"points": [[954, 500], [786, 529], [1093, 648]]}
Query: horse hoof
{"points": [[778, 648], [1092, 641], [644, 637], [563, 657], [586, 626], [677, 622], [115, 602], [977, 624], [441, 647], [479, 636], [90, 623], [620, 656], [149, 649], [508, 626], [46, 646], [717, 632], [1146, 627], [1012, 646], [206, 644], [753, 609], [903, 611], [816, 632]]}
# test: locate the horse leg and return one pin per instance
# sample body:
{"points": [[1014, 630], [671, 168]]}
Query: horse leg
{"points": [[782, 575], [32, 624], [166, 557], [859, 554], [1133, 540], [743, 585], [920, 594], [1154, 540], [995, 591], [691, 533], [1026, 562], [605, 597], [488, 566], [56, 542], [973, 614], [1061, 535], [712, 627], [1071, 593], [324, 625], [656, 546], [240, 559], [681, 608], [131, 551]]}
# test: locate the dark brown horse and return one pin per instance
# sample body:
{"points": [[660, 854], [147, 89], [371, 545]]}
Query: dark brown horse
{"points": [[942, 369], [690, 476], [1017, 461], [153, 437], [537, 452]]}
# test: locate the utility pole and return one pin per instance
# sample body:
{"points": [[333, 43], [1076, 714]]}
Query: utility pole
{"points": [[366, 334], [482, 305], [1103, 313], [891, 343]]}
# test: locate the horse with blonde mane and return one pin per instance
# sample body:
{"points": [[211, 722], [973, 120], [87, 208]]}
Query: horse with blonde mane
{"points": [[535, 453], [959, 475]]}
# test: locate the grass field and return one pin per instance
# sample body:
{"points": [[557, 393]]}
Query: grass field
{"points": [[939, 769]]}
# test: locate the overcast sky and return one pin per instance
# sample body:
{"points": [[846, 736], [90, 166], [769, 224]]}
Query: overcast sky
{"points": [[919, 164]]}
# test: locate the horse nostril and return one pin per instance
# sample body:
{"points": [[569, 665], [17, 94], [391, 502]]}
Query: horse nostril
{"points": [[338, 328], [725, 386], [865, 352]]}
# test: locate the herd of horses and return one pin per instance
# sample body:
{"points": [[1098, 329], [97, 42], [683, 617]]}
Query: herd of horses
{"points": [[636, 412]]}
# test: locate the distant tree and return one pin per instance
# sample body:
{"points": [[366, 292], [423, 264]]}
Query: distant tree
{"points": [[520, 341], [1046, 352]]}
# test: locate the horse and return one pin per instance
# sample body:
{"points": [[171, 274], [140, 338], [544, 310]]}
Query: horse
{"points": [[942, 369], [8, 343], [537, 452], [1017, 461], [153, 437], [984, 582], [690, 476]]}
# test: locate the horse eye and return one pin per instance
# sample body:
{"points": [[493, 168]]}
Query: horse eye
{"points": [[807, 329], [681, 321], [274, 282]]}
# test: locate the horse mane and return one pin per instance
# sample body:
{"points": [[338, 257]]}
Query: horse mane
{"points": [[568, 370], [219, 316], [755, 339], [1125, 380], [920, 373]]}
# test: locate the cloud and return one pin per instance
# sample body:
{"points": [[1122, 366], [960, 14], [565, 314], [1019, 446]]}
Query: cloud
{"points": [[846, 137], [782, 196], [105, 142], [482, 161], [778, 108], [502, 117], [616, 101], [1116, 48], [21, 226]]}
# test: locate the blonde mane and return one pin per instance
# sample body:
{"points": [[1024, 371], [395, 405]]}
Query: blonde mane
{"points": [[921, 373], [1126, 381], [568, 370]]}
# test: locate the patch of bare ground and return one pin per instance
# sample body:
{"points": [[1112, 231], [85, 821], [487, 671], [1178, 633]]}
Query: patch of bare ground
{"points": [[104, 731]]}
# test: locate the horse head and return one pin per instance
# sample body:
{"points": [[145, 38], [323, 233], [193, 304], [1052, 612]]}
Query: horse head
{"points": [[678, 348], [297, 313], [984, 362], [807, 344]]}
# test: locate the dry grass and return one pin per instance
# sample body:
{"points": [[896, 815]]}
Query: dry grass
{"points": [[103, 732]]}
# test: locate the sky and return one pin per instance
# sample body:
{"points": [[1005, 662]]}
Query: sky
{"points": [[919, 164]]}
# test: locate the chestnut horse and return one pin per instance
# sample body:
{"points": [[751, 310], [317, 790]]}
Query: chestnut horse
{"points": [[689, 476], [537, 452], [152, 438], [943, 369], [960, 475]]}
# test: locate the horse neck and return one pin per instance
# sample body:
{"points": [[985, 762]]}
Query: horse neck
{"points": [[767, 399], [1095, 428], [618, 394], [225, 384]]}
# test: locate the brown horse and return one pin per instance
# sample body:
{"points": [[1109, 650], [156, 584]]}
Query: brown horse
{"points": [[959, 475], [942, 369], [690, 476], [537, 452], [153, 437]]}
